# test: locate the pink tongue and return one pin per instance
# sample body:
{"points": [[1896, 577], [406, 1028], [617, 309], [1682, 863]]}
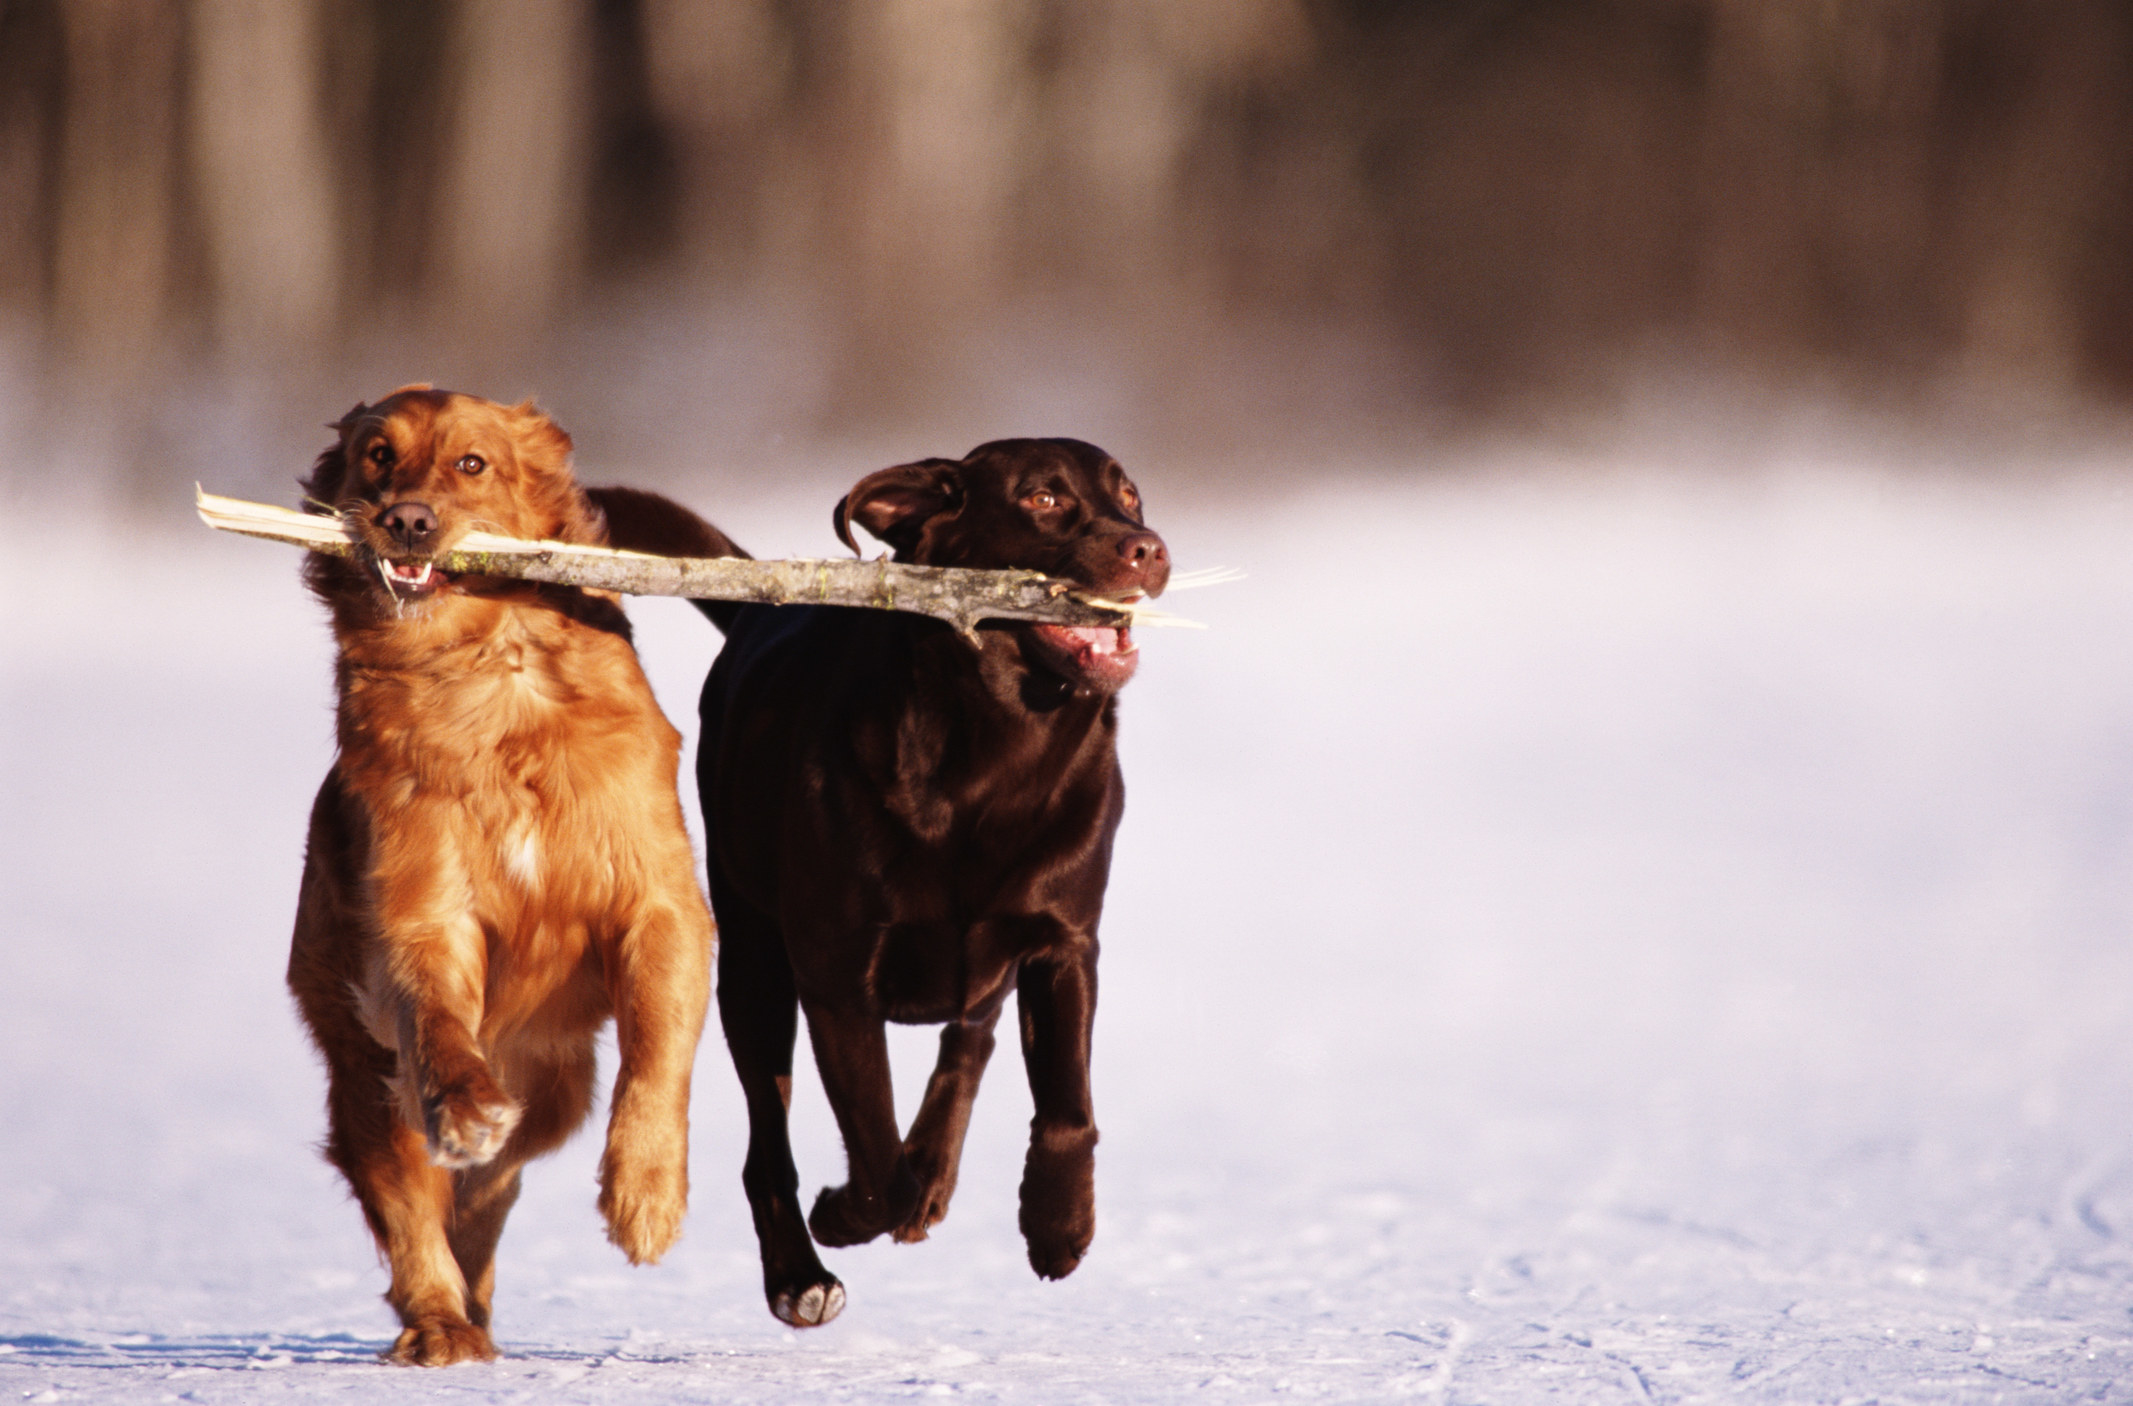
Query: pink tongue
{"points": [[1100, 639]]}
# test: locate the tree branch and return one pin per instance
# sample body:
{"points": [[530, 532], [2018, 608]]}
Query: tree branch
{"points": [[958, 595]]}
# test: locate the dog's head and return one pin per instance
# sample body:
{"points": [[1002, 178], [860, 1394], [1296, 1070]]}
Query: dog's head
{"points": [[1053, 505], [419, 469]]}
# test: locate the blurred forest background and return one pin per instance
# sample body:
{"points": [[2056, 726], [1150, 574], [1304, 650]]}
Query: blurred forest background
{"points": [[707, 226]]}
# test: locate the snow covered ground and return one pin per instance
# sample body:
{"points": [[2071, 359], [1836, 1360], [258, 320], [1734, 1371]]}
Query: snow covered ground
{"points": [[1579, 934]]}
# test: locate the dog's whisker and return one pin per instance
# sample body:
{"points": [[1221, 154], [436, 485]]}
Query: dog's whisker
{"points": [[1204, 576], [1143, 614]]}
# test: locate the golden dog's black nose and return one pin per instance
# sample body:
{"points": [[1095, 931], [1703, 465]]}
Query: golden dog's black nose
{"points": [[410, 525]]}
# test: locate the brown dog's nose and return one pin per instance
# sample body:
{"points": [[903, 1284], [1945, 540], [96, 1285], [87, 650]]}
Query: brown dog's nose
{"points": [[1143, 550], [411, 525]]}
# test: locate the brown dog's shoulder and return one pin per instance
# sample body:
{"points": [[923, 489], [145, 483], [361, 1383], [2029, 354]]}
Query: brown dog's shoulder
{"points": [[635, 520]]}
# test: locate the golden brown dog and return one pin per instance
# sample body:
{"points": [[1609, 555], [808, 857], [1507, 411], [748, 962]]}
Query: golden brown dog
{"points": [[497, 862]]}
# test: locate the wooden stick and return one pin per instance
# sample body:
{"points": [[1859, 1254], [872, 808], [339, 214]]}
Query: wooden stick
{"points": [[958, 595]]}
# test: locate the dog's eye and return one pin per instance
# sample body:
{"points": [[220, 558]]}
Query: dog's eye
{"points": [[472, 464], [381, 454], [1041, 501], [1130, 496]]}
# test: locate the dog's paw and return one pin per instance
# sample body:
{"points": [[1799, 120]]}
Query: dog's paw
{"points": [[808, 1305], [1058, 1217], [439, 1342], [469, 1127], [644, 1208], [843, 1217], [934, 1191]]}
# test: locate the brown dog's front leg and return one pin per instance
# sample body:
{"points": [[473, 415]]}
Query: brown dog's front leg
{"points": [[852, 1053], [934, 1148], [1056, 996], [661, 977]]}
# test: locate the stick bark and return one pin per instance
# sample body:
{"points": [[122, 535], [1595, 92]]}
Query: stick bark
{"points": [[959, 595]]}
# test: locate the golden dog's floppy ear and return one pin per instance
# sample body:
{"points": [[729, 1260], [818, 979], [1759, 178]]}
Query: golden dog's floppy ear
{"points": [[547, 487], [541, 436], [895, 504], [331, 466]]}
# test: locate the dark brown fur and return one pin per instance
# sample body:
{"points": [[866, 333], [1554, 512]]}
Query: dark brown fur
{"points": [[906, 827], [497, 863]]}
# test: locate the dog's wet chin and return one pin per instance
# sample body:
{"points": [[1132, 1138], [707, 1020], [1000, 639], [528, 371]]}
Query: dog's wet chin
{"points": [[1096, 657]]}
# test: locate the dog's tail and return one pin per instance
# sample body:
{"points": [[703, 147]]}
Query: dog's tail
{"points": [[638, 521]]}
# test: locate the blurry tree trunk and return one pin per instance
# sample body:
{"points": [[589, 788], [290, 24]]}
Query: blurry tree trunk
{"points": [[2039, 192], [113, 243], [718, 70], [265, 180], [917, 210], [1126, 102], [31, 55], [1821, 231], [510, 215]]}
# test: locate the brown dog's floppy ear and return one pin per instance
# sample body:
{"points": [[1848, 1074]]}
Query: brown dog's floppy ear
{"points": [[894, 504]]}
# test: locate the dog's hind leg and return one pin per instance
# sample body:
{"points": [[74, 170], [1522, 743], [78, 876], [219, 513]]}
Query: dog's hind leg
{"points": [[557, 1092], [759, 1011], [934, 1147], [481, 1199], [407, 1201], [1057, 1000]]}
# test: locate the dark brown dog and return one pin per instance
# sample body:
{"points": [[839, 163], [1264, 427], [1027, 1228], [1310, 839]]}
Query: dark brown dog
{"points": [[497, 862], [906, 827]]}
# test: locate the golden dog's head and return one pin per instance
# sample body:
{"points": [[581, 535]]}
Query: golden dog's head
{"points": [[417, 471]]}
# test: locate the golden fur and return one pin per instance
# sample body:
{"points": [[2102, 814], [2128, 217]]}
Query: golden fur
{"points": [[496, 865]]}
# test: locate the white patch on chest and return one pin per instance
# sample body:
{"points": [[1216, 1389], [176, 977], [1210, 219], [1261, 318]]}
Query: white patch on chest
{"points": [[522, 858]]}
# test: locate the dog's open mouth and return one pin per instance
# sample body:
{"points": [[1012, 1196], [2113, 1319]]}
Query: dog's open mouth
{"points": [[408, 580], [1099, 656]]}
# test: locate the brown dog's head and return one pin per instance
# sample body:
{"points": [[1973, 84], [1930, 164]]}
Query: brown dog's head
{"points": [[418, 470], [1053, 505]]}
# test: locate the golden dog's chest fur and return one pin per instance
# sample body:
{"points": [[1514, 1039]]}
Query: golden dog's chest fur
{"points": [[537, 732], [497, 864]]}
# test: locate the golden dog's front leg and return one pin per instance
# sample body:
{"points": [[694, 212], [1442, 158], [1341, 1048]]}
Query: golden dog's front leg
{"points": [[456, 1101], [660, 974], [425, 1000]]}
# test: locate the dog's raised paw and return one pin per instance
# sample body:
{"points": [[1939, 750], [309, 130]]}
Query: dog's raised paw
{"points": [[466, 1132], [808, 1307], [934, 1176], [440, 1342], [840, 1218], [932, 1209]]}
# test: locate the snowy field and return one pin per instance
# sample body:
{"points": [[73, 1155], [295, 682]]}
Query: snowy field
{"points": [[1578, 934]]}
